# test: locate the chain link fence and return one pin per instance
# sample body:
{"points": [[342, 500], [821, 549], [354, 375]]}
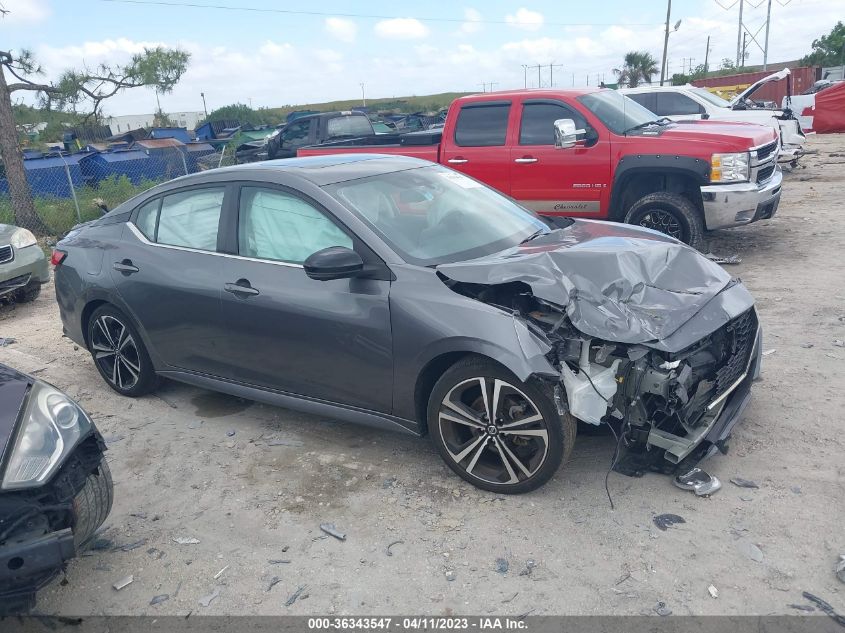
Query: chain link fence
{"points": [[62, 190]]}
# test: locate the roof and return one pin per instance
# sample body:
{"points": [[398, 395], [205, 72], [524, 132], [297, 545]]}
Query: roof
{"points": [[116, 157], [318, 170], [657, 89], [159, 143], [533, 93], [179, 133]]}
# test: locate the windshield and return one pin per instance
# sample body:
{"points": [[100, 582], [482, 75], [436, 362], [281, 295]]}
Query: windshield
{"points": [[716, 100], [615, 110], [433, 215]]}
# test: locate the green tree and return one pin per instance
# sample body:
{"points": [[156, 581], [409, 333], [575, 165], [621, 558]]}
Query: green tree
{"points": [[78, 91], [828, 50], [639, 67], [236, 112]]}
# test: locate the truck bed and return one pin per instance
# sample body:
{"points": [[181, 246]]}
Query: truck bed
{"points": [[424, 145]]}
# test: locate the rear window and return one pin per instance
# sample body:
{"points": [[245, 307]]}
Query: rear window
{"points": [[349, 126], [482, 126]]}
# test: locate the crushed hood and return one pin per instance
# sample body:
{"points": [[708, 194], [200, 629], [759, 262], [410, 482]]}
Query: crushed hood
{"points": [[616, 282], [746, 94]]}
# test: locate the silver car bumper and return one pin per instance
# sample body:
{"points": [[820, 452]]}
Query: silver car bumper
{"points": [[741, 203]]}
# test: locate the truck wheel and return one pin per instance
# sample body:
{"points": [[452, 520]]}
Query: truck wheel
{"points": [[669, 213], [495, 431]]}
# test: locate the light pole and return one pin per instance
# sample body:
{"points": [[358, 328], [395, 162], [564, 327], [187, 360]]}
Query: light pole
{"points": [[363, 98], [204, 108], [664, 68]]}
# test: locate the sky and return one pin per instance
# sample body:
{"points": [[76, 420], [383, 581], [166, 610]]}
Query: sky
{"points": [[258, 54]]}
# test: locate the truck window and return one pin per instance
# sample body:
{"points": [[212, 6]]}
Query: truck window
{"points": [[296, 133], [348, 126], [647, 100], [537, 125], [482, 125], [673, 103]]}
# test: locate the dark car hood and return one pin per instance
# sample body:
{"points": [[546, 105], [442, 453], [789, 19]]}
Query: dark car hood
{"points": [[13, 389], [617, 282]]}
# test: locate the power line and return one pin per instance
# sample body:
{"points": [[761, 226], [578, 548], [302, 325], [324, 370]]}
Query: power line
{"points": [[223, 7]]}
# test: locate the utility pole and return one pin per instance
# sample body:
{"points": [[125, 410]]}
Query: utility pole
{"points": [[525, 75], [363, 98], [706, 56], [204, 108], [766, 47], [539, 82], [552, 74], [739, 35], [744, 49], [573, 77], [666, 41]]}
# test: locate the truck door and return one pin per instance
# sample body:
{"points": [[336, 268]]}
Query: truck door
{"points": [[573, 181], [478, 146]]}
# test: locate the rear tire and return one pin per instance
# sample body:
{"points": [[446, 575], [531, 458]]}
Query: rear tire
{"points": [[511, 440], [119, 353], [669, 213]]}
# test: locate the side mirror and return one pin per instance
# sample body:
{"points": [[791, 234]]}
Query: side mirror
{"points": [[565, 133], [704, 116], [334, 262]]}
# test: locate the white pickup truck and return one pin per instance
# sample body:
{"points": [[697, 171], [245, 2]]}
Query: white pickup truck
{"points": [[682, 103]]}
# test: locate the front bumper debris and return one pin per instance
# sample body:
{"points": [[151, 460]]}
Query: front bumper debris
{"points": [[742, 203], [27, 264]]}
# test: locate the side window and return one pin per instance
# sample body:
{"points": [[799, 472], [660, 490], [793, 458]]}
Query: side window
{"points": [[648, 100], [482, 126], [297, 133], [537, 125], [281, 227], [191, 219], [147, 218], [349, 126], [673, 103]]}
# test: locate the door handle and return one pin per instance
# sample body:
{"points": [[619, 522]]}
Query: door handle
{"points": [[126, 266], [526, 159], [457, 161], [241, 288]]}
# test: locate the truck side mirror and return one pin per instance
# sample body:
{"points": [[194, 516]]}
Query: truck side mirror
{"points": [[565, 133]]}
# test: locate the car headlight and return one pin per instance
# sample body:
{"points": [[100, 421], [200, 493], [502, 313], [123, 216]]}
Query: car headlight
{"points": [[22, 238], [51, 426], [729, 167]]}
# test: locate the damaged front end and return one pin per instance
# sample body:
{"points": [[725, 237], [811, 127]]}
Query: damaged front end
{"points": [[675, 397]]}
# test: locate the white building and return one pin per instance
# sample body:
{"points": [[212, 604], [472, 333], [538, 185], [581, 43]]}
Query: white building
{"points": [[126, 122]]}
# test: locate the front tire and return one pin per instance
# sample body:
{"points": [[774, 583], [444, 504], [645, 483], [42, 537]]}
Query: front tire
{"points": [[119, 353], [669, 213], [495, 431], [28, 293]]}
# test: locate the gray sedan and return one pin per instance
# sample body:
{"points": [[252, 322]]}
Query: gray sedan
{"points": [[393, 292]]}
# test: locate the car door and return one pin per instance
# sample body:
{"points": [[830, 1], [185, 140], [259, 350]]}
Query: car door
{"points": [[167, 272], [479, 144], [552, 181], [329, 340]]}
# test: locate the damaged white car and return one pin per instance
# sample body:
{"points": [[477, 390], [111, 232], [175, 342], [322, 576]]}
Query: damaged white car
{"points": [[684, 103]]}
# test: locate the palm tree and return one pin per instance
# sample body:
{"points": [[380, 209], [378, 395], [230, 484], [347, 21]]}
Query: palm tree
{"points": [[638, 68]]}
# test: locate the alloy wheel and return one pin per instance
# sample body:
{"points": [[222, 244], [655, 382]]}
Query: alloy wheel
{"points": [[116, 352], [662, 221], [493, 431]]}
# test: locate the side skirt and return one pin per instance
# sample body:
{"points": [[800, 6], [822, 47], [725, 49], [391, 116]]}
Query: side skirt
{"points": [[296, 402]]}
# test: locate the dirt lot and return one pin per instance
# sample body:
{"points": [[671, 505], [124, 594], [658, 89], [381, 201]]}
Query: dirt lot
{"points": [[259, 495]]}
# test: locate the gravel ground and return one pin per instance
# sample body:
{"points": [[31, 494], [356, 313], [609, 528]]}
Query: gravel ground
{"points": [[259, 496]]}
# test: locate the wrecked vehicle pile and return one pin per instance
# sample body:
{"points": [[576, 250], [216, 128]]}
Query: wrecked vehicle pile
{"points": [[641, 329]]}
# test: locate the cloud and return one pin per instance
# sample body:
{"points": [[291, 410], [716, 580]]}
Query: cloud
{"points": [[342, 29], [401, 29], [24, 12], [526, 19], [473, 21]]}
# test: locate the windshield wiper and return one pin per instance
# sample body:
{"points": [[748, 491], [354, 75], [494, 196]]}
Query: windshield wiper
{"points": [[537, 233], [661, 121]]}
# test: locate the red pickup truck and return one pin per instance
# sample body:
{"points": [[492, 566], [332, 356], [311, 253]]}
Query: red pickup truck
{"points": [[594, 153]]}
